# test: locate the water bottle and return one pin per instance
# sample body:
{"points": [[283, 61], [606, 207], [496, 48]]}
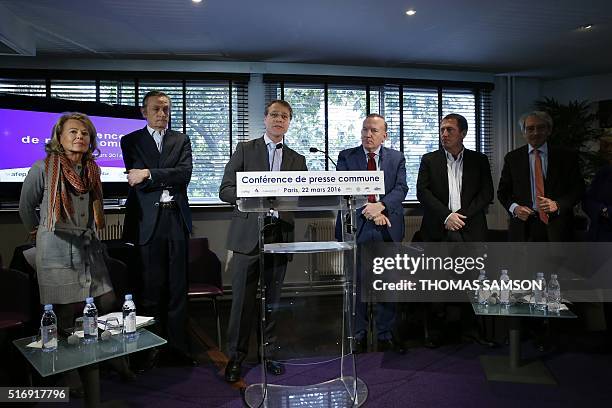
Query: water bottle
{"points": [[481, 277], [539, 295], [48, 329], [90, 321], [554, 294], [129, 318], [504, 292], [483, 294]]}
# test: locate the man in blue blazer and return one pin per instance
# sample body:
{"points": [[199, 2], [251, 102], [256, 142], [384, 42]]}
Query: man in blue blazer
{"points": [[158, 220], [380, 220]]}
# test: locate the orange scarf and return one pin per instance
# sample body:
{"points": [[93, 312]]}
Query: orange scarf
{"points": [[60, 173]]}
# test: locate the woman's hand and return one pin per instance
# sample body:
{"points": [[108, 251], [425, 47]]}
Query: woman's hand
{"points": [[33, 234]]}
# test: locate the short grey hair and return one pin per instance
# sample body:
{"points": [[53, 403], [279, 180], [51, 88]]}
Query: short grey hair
{"points": [[538, 114]]}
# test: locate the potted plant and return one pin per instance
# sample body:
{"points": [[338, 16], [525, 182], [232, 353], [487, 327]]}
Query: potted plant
{"points": [[573, 129]]}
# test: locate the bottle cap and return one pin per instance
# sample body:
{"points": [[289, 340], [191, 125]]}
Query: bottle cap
{"points": [[89, 300], [128, 297], [48, 307]]}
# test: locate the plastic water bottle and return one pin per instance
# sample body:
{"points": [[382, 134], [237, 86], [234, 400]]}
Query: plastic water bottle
{"points": [[48, 329], [504, 294], [481, 277], [129, 318], [539, 295], [483, 294], [554, 294], [90, 321]]}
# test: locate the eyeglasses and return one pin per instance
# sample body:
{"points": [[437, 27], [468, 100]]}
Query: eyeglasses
{"points": [[539, 128], [277, 115]]}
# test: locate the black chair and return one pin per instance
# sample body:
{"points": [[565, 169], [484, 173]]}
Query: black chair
{"points": [[14, 299], [15, 322], [205, 280]]}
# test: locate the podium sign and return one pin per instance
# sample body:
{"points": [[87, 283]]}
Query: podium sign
{"points": [[309, 183]]}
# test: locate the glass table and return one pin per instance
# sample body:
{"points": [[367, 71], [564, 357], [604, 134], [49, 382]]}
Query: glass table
{"points": [[85, 358], [511, 368]]}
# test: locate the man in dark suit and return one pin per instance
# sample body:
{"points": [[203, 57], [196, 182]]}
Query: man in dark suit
{"points": [[380, 220], [158, 220], [539, 185], [267, 153], [454, 187]]}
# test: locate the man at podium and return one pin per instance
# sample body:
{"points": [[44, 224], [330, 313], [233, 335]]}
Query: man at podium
{"points": [[380, 220], [267, 153]]}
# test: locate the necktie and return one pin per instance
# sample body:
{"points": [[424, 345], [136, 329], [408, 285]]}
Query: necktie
{"points": [[371, 166], [157, 136], [539, 184], [275, 157]]}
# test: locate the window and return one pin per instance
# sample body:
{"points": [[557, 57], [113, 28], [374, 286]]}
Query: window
{"points": [[329, 116], [307, 125], [29, 87], [76, 90], [118, 92], [209, 107], [420, 116], [214, 113]]}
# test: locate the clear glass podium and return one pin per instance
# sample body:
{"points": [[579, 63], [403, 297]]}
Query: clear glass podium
{"points": [[324, 380]]}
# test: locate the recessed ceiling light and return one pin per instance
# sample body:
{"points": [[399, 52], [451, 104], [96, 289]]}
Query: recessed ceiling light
{"points": [[410, 12], [585, 27], [197, 1]]}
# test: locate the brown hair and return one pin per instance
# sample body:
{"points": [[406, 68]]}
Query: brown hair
{"points": [[461, 121], [280, 102], [54, 145], [152, 94]]}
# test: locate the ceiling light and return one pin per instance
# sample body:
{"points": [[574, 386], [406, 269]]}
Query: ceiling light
{"points": [[585, 27], [197, 1], [410, 12]]}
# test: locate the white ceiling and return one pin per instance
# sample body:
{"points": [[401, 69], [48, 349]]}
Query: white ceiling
{"points": [[528, 37]]}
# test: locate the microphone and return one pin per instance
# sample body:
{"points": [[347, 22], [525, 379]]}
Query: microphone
{"points": [[315, 150], [278, 146]]}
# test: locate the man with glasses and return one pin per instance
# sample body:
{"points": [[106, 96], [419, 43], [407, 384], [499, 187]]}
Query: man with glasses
{"points": [[267, 153], [540, 184]]}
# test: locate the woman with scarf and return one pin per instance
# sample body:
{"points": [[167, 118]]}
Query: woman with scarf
{"points": [[66, 186]]}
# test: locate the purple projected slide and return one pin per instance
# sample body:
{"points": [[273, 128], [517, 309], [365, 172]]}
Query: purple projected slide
{"points": [[23, 135]]}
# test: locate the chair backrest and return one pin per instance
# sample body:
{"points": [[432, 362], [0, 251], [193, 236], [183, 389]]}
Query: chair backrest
{"points": [[204, 264], [118, 273], [15, 293]]}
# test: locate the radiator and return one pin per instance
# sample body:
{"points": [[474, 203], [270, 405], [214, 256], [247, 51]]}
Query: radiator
{"points": [[413, 224], [112, 231], [328, 265], [331, 265]]}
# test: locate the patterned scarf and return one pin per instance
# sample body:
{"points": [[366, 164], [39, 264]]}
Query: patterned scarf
{"points": [[60, 173]]}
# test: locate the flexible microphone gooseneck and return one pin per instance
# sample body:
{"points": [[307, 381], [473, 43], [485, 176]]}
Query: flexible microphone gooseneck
{"points": [[315, 150]]}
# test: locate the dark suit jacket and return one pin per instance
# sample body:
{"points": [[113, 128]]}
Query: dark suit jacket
{"points": [[170, 170], [253, 156], [476, 194], [563, 183], [393, 164]]}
